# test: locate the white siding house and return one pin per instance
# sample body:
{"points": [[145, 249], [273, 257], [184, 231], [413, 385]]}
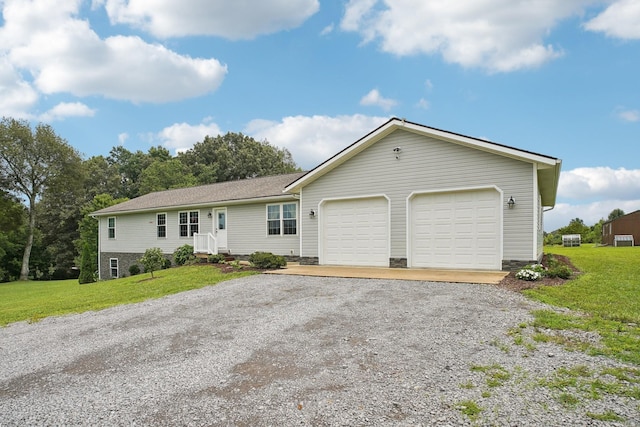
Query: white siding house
{"points": [[405, 195]]}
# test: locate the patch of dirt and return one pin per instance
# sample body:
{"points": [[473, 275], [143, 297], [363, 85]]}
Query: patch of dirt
{"points": [[512, 283]]}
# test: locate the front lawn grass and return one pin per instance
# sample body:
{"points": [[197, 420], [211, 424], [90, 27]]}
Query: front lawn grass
{"points": [[607, 294], [33, 301]]}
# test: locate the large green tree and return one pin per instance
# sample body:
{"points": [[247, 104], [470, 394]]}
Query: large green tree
{"points": [[165, 174], [13, 220], [616, 213], [32, 162], [236, 156]]}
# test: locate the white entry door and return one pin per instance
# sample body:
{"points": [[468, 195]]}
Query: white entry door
{"points": [[220, 227]]}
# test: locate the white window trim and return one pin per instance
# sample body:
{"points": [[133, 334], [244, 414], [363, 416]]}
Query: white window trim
{"points": [[282, 219], [189, 235], [166, 225], [117, 267], [109, 228]]}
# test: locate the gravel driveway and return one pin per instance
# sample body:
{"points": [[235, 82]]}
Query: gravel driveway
{"points": [[292, 350]]}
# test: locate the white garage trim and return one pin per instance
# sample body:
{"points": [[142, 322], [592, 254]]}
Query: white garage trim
{"points": [[381, 259], [494, 263]]}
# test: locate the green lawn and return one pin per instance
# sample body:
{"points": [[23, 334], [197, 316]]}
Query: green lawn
{"points": [[607, 295], [33, 301]]}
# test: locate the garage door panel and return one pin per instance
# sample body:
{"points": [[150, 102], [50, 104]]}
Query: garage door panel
{"points": [[356, 232], [456, 230]]}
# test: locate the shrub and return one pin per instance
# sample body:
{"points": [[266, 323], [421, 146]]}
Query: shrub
{"points": [[166, 263], [134, 269], [86, 266], [183, 254], [216, 258], [152, 260], [267, 260], [561, 271]]}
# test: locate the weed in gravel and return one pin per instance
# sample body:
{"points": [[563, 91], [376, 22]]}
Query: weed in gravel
{"points": [[578, 383], [467, 385], [500, 345], [469, 408], [605, 416], [568, 400], [496, 375]]}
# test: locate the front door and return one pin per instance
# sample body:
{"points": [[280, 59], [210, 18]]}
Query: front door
{"points": [[220, 227]]}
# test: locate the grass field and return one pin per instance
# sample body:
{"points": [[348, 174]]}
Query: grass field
{"points": [[33, 301], [607, 294]]}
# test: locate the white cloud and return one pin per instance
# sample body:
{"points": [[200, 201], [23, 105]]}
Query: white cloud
{"points": [[180, 137], [598, 183], [497, 35], [312, 140], [628, 115], [423, 103], [428, 85], [67, 109], [589, 213], [592, 193], [327, 30], [229, 19], [621, 19], [122, 138], [16, 95], [64, 55], [374, 98]]}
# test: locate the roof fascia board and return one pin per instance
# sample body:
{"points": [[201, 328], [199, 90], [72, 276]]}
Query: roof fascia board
{"points": [[199, 205], [393, 124]]}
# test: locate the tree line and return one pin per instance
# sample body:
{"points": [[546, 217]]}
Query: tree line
{"points": [[47, 190], [589, 234]]}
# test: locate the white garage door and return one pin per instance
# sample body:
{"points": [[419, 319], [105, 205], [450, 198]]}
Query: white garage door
{"points": [[456, 230], [355, 232]]}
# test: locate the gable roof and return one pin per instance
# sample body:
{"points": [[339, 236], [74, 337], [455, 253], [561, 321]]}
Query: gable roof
{"points": [[228, 192], [548, 167]]}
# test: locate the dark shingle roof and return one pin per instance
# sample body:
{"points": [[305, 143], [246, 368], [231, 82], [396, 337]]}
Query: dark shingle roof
{"points": [[230, 191]]}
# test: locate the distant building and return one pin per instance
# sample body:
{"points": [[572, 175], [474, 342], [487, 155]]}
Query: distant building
{"points": [[626, 228]]}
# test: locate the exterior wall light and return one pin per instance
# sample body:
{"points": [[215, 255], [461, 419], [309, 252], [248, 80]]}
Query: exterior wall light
{"points": [[312, 214], [396, 151], [209, 215], [511, 203]]}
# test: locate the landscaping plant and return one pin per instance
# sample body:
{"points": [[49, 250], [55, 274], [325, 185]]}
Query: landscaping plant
{"points": [[152, 260], [183, 255]]}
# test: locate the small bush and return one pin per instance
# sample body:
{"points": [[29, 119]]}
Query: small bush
{"points": [[134, 269], [183, 254], [216, 258], [166, 263], [561, 271], [152, 260], [267, 260]]}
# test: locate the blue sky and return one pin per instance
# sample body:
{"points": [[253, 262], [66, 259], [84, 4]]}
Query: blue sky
{"points": [[554, 77]]}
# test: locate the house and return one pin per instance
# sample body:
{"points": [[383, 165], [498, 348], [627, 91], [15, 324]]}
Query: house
{"points": [[622, 231], [404, 195]]}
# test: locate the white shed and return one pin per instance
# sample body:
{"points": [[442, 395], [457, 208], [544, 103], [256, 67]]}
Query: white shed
{"points": [[571, 240]]}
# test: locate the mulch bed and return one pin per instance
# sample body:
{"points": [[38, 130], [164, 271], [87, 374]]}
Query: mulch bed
{"points": [[512, 283]]}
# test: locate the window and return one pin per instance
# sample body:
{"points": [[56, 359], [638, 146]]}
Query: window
{"points": [[113, 265], [188, 222], [111, 227], [282, 219], [161, 223]]}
